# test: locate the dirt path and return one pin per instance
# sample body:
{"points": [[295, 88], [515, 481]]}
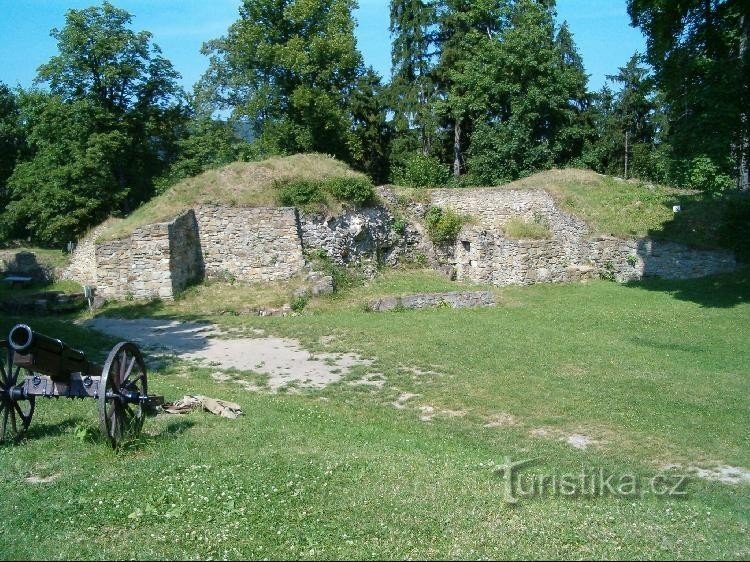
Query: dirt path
{"points": [[284, 361]]}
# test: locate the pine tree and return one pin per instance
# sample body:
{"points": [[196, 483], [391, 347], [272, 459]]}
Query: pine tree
{"points": [[412, 90]]}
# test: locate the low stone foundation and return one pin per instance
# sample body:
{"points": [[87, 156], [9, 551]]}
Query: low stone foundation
{"points": [[432, 300]]}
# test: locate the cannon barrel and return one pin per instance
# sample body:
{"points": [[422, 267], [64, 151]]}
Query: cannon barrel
{"points": [[46, 355]]}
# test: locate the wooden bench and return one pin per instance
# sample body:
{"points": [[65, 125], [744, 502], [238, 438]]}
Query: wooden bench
{"points": [[18, 280]]}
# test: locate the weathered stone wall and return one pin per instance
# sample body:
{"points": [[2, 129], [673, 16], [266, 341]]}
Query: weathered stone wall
{"points": [[629, 260], [357, 235], [492, 208], [112, 260], [483, 254], [157, 260], [432, 300], [250, 244], [488, 257], [82, 266]]}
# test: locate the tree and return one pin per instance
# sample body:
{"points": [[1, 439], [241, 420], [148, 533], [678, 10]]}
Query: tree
{"points": [[468, 43], [700, 50], [11, 140], [536, 96], [289, 69], [103, 132], [204, 143], [123, 73], [574, 125], [67, 185], [413, 49], [372, 133]]}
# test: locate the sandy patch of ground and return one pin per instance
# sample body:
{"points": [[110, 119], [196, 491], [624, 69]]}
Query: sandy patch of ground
{"points": [[284, 361], [417, 372], [576, 440], [376, 380], [502, 419], [718, 473], [428, 413], [403, 398], [33, 479]]}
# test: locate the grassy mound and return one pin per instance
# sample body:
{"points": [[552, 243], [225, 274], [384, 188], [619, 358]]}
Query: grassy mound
{"points": [[624, 209], [249, 184]]}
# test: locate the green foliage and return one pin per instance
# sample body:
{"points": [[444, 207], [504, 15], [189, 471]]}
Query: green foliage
{"points": [[299, 302], [370, 151], [103, 133], [422, 171], [399, 226], [356, 190], [301, 194], [700, 51], [306, 193], [205, 143], [71, 181], [288, 68], [502, 152], [443, 225], [344, 278], [705, 175], [11, 143], [412, 89]]}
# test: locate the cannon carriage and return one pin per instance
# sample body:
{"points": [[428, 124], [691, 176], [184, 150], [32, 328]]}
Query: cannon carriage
{"points": [[33, 365]]}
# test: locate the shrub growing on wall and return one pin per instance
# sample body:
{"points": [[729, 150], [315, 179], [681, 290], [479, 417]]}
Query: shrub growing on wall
{"points": [[443, 225], [300, 194], [357, 190], [304, 193]]}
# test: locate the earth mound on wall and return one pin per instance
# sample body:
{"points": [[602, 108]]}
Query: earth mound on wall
{"points": [[240, 184]]}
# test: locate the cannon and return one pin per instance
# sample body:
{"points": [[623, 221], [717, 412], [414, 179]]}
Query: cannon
{"points": [[34, 365]]}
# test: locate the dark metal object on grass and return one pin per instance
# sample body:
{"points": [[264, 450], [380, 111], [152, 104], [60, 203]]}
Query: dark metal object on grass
{"points": [[32, 364]]}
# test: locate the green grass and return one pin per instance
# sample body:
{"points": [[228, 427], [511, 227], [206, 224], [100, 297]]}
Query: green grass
{"points": [[519, 229], [7, 292], [49, 258], [657, 371]]}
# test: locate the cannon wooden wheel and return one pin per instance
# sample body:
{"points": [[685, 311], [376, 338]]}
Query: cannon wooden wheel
{"points": [[15, 411], [123, 375]]}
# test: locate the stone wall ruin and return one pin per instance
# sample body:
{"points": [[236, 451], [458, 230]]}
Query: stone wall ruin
{"points": [[269, 244]]}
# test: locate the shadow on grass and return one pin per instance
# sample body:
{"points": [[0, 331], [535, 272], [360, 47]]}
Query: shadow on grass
{"points": [[710, 221], [172, 431], [149, 309], [41, 430], [719, 291]]}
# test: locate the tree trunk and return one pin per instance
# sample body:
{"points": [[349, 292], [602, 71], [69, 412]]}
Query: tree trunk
{"points": [[744, 165], [457, 148], [627, 135]]}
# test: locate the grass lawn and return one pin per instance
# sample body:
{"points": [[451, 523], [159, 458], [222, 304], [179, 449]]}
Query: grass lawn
{"points": [[655, 373]]}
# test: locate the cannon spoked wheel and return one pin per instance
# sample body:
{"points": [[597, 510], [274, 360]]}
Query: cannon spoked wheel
{"points": [[15, 414], [123, 373]]}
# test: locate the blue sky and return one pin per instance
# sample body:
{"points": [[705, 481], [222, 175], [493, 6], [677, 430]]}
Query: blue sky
{"points": [[600, 27]]}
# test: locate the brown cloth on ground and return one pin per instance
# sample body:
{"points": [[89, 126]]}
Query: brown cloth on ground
{"points": [[215, 406]]}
